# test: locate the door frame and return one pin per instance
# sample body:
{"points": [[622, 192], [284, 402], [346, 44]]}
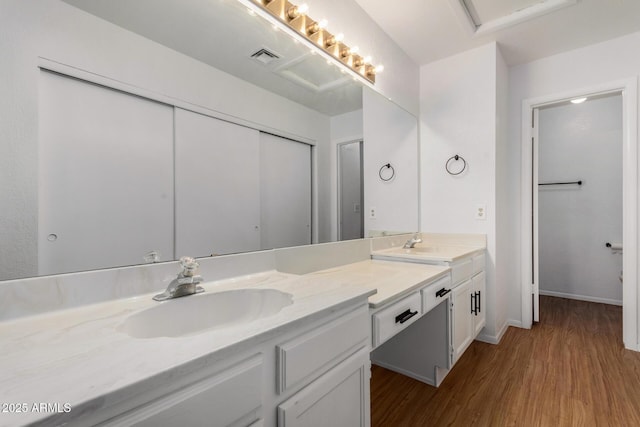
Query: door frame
{"points": [[339, 182], [630, 179]]}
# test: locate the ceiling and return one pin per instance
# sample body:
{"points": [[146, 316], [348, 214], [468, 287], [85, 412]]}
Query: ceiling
{"points": [[222, 34], [428, 30]]}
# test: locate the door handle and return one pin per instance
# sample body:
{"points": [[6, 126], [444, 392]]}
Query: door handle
{"points": [[405, 315], [473, 304]]}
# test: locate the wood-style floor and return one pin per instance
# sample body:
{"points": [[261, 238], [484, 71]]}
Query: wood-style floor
{"points": [[571, 369]]}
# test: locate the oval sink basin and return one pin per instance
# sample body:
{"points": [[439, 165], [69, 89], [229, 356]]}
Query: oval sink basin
{"points": [[197, 313]]}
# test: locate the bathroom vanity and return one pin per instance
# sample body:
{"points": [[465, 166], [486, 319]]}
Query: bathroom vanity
{"points": [[271, 348], [462, 317]]}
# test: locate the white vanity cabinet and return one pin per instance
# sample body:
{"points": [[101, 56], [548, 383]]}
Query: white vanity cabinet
{"points": [[326, 373], [230, 397], [467, 303], [338, 398], [314, 373]]}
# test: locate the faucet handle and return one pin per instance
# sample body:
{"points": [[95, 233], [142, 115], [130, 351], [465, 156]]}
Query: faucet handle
{"points": [[189, 265]]}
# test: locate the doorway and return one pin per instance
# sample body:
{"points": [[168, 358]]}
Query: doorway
{"points": [[630, 176], [350, 191], [577, 235]]}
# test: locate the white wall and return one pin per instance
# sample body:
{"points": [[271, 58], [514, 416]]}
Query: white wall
{"points": [[62, 33], [459, 112], [390, 137], [506, 212], [400, 79], [572, 71], [581, 142]]}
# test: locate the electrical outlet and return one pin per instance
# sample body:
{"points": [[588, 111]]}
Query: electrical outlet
{"points": [[481, 211], [372, 213]]}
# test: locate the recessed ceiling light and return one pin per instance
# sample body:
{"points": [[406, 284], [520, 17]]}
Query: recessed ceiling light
{"points": [[578, 100]]}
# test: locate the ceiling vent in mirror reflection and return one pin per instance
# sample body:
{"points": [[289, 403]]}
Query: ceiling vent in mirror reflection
{"points": [[265, 56], [315, 35]]}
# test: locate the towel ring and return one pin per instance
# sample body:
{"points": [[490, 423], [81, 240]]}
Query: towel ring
{"points": [[389, 167], [455, 159]]}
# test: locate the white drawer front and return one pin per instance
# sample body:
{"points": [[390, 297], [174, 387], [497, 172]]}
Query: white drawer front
{"points": [[231, 397], [461, 271], [391, 320], [478, 263], [435, 293], [312, 354]]}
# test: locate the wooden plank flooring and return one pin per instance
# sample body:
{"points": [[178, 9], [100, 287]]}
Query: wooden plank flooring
{"points": [[571, 369]]}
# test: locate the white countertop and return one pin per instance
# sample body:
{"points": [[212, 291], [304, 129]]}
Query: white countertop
{"points": [[391, 279], [428, 252], [78, 355]]}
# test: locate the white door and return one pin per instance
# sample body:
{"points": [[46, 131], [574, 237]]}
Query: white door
{"points": [[338, 398], [350, 195], [285, 192], [462, 319], [217, 186], [479, 299], [106, 176]]}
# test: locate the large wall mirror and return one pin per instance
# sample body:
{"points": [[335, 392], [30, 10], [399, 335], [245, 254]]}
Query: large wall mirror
{"points": [[140, 131]]}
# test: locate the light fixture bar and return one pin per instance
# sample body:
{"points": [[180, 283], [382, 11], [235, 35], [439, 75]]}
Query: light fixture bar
{"points": [[294, 17]]}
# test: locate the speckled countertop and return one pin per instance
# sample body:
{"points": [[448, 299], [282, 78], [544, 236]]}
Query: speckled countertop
{"points": [[51, 357], [78, 355], [429, 252], [391, 279]]}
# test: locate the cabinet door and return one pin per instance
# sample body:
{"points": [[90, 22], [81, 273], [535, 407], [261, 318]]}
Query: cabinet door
{"points": [[338, 398], [217, 186], [462, 319], [478, 288], [232, 397]]}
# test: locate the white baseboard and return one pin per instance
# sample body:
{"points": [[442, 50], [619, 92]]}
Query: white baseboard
{"points": [[430, 381], [581, 297], [493, 339], [514, 323]]}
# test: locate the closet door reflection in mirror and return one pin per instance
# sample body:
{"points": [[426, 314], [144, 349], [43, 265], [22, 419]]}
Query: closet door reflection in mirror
{"points": [[217, 186], [106, 177], [285, 192]]}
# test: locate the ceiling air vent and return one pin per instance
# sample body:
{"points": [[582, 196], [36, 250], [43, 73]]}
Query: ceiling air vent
{"points": [[264, 56]]}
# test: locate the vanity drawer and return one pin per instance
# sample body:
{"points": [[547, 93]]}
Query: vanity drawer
{"points": [[230, 397], [393, 319], [478, 263], [305, 358], [435, 293], [461, 271]]}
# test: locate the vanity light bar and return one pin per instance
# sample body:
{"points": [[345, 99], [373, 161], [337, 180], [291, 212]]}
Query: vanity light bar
{"points": [[295, 17]]}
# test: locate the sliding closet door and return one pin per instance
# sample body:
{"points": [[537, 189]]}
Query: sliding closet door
{"points": [[217, 186], [106, 176], [285, 192]]}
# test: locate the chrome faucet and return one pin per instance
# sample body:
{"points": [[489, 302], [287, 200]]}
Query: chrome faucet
{"points": [[185, 284], [412, 241]]}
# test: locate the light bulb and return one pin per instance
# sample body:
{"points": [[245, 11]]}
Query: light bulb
{"points": [[339, 37], [323, 23], [367, 60], [379, 68], [303, 8], [355, 49]]}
